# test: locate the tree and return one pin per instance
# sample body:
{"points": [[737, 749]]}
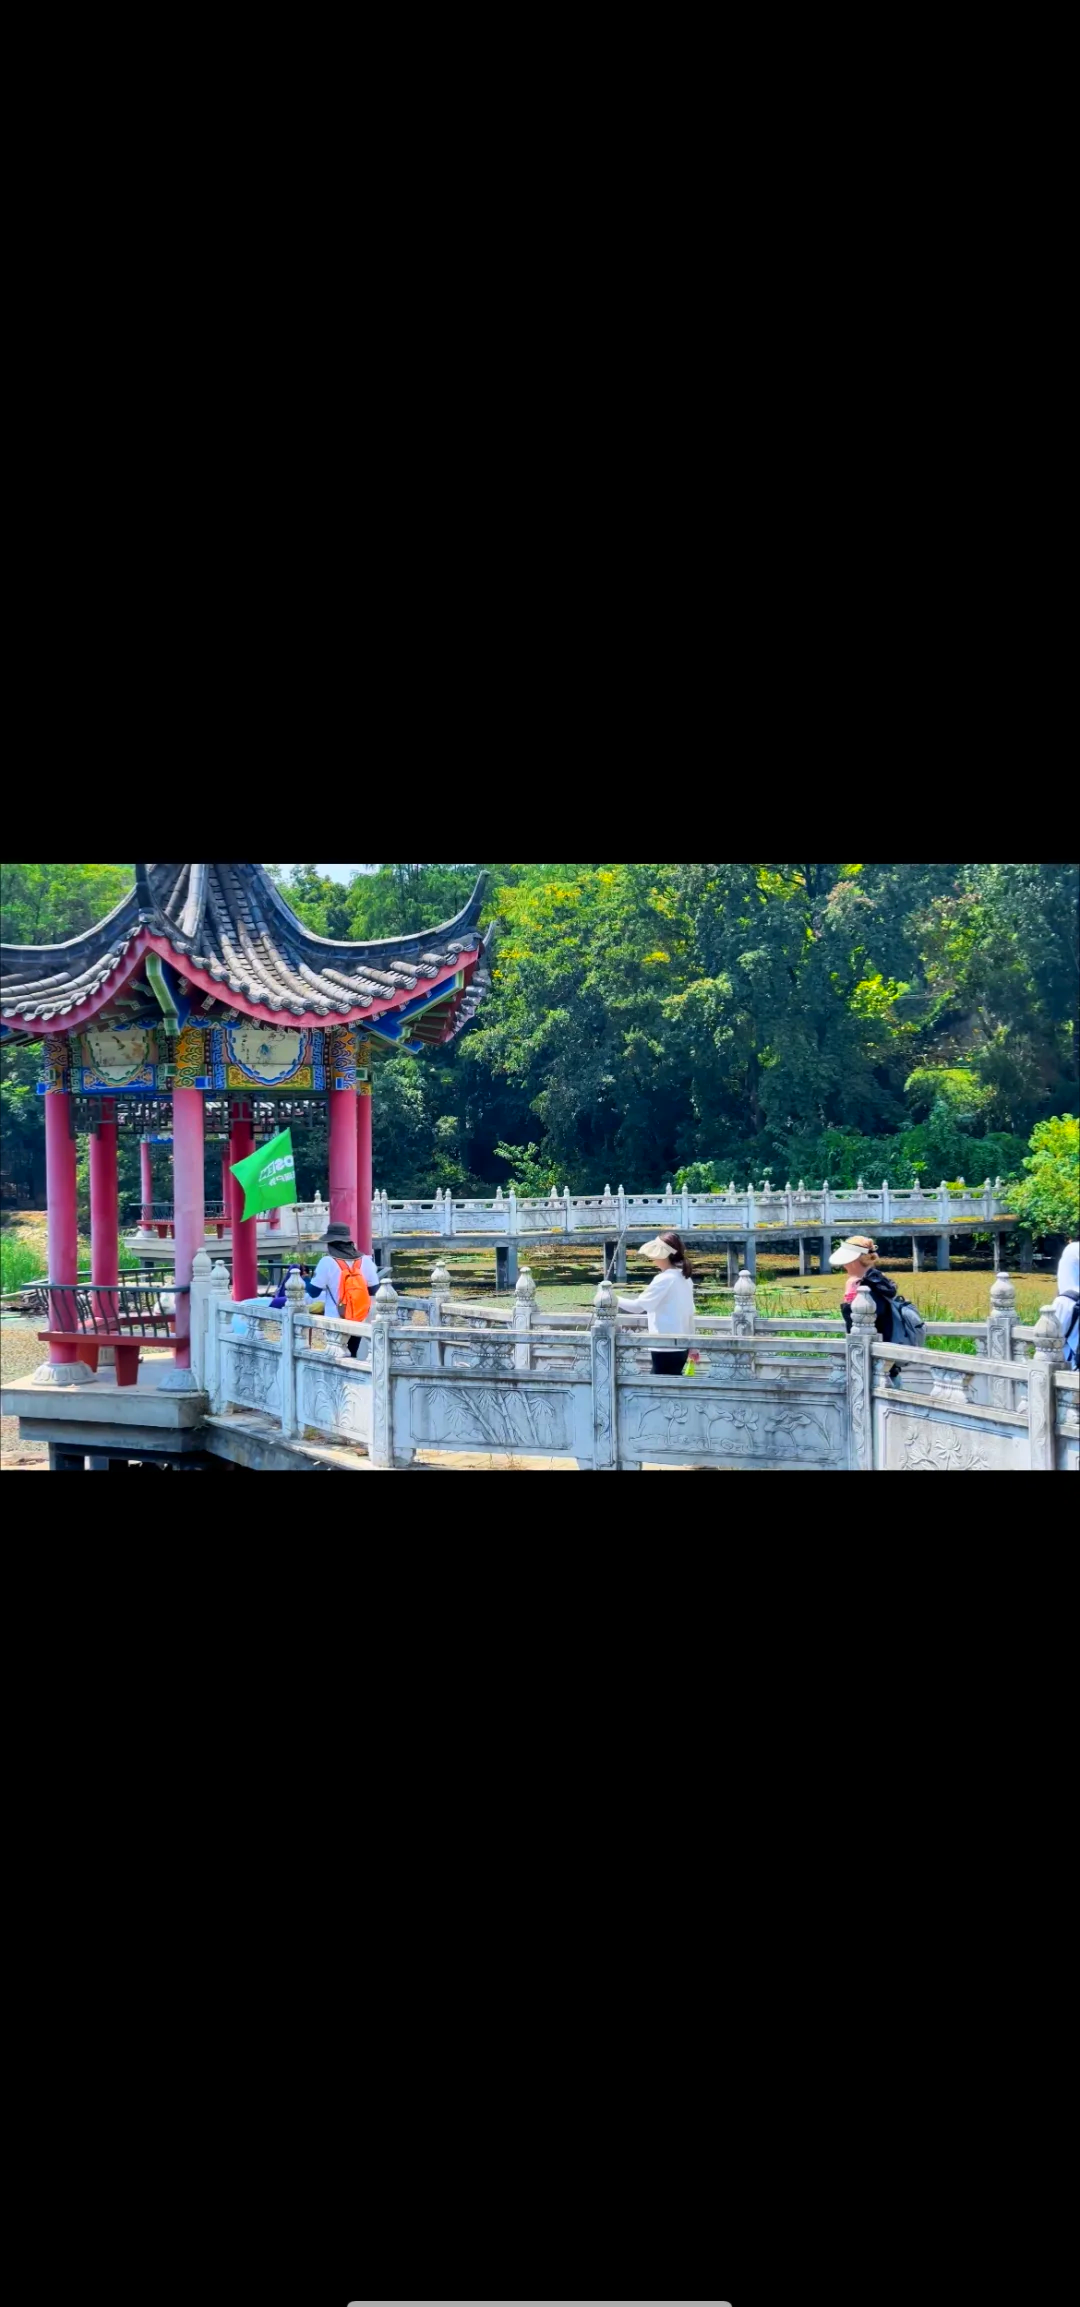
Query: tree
{"points": [[1048, 1199]]}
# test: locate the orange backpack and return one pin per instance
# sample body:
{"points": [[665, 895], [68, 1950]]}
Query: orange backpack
{"points": [[354, 1297]]}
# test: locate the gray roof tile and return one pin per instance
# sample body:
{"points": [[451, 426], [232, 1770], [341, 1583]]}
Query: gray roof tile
{"points": [[232, 923]]}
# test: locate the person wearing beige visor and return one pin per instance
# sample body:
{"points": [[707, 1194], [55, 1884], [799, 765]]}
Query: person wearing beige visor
{"points": [[668, 1301], [858, 1258]]}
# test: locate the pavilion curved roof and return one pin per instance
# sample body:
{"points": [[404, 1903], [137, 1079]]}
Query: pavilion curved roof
{"points": [[229, 932]]}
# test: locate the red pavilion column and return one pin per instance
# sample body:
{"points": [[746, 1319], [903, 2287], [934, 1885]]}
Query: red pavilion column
{"points": [[146, 1173], [343, 1137], [104, 1214], [245, 1239], [189, 1206], [63, 1215], [362, 1237]]}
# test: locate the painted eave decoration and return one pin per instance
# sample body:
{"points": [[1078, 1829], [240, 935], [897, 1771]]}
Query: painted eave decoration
{"points": [[205, 943]]}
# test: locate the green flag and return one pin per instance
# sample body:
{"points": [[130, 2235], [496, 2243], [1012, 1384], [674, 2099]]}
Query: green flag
{"points": [[268, 1176]]}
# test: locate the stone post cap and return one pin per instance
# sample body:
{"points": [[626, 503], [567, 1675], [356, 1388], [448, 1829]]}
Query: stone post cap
{"points": [[863, 1311], [526, 1287]]}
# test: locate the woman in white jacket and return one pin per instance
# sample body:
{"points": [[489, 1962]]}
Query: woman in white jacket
{"points": [[668, 1301]]}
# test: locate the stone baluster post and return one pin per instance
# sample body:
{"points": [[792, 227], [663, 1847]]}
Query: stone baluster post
{"points": [[886, 1203], [744, 1311], [685, 1209], [624, 1210], [1042, 1421], [569, 1209], [604, 1405], [999, 1341], [218, 1297], [440, 1291], [382, 1433], [512, 1212], [860, 1384], [524, 1309], [200, 1314], [294, 1305]]}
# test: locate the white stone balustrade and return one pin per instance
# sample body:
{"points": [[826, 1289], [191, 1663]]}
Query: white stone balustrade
{"points": [[787, 1209], [786, 1392]]}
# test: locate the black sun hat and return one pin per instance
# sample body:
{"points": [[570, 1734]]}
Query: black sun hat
{"points": [[337, 1241]]}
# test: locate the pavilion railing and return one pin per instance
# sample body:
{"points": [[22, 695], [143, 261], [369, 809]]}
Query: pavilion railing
{"points": [[137, 1308]]}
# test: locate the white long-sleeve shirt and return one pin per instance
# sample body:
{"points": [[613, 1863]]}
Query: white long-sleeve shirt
{"points": [[669, 1304]]}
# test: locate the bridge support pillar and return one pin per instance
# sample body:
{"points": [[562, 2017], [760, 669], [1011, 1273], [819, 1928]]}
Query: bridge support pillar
{"points": [[916, 1254], [827, 1241], [751, 1255], [615, 1261], [943, 1253], [732, 1264], [506, 1269], [1027, 1257], [803, 1258]]}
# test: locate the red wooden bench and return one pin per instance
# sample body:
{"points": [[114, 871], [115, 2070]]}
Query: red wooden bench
{"points": [[126, 1344]]}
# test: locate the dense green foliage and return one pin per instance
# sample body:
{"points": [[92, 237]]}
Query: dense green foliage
{"points": [[914, 1022], [1048, 1198]]}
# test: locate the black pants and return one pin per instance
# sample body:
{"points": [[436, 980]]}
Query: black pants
{"points": [[670, 1365]]}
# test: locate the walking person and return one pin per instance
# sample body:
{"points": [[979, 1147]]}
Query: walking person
{"points": [[858, 1257], [1067, 1302], [668, 1301], [340, 1258]]}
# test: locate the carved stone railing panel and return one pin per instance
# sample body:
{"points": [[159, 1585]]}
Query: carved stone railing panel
{"points": [[929, 1440], [251, 1375], [527, 1417], [1067, 1421], [333, 1397], [748, 1422]]}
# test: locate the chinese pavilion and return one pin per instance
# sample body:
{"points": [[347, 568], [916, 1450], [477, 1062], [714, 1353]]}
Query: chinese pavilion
{"points": [[203, 993]]}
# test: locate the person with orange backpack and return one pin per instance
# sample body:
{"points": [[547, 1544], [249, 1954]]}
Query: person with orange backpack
{"points": [[344, 1280]]}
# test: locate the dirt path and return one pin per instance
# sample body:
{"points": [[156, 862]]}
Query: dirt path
{"points": [[20, 1354]]}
